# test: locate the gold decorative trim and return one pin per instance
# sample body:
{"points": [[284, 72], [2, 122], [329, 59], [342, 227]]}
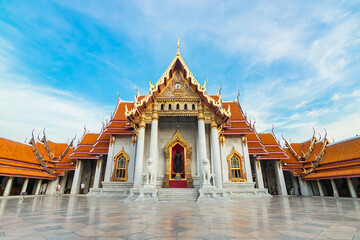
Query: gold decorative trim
{"points": [[222, 140], [178, 138], [244, 140], [142, 121], [242, 173], [116, 158], [213, 123], [112, 140], [155, 111], [154, 88]]}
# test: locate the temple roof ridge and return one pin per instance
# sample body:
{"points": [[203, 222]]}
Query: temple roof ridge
{"points": [[164, 77], [344, 140]]}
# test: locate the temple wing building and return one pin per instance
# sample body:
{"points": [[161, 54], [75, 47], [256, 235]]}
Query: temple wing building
{"points": [[35, 167], [179, 142], [318, 167]]}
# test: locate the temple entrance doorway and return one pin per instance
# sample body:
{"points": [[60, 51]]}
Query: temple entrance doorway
{"points": [[177, 178], [177, 163]]}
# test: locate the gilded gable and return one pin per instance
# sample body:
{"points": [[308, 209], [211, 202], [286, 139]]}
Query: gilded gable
{"points": [[178, 88]]}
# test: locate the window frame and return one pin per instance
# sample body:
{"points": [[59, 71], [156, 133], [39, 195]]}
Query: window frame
{"points": [[240, 169], [117, 158]]}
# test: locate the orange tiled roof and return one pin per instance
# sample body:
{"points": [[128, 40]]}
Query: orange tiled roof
{"points": [[354, 172], [17, 164], [291, 158], [268, 139], [338, 165], [236, 113], [82, 150], [27, 173], [20, 158], [342, 151], [275, 151], [17, 151]]}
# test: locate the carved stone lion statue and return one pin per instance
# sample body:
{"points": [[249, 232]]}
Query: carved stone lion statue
{"points": [[150, 172], [206, 171]]}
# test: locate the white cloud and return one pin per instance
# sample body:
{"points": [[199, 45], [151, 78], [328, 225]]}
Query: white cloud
{"points": [[25, 106], [318, 37]]}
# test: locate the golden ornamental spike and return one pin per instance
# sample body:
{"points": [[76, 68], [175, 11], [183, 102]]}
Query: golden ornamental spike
{"points": [[150, 83], [178, 46]]}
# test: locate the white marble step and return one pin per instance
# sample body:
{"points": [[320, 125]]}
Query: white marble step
{"points": [[177, 194]]}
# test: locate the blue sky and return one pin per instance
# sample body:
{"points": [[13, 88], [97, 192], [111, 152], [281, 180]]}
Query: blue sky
{"points": [[296, 63]]}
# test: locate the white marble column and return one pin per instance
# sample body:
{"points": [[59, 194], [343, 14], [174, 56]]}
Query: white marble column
{"points": [[216, 153], [202, 141], [24, 186], [295, 185], [304, 187], [97, 177], [333, 185], [154, 138], [224, 163], [351, 188], [51, 187], [8, 187], [258, 172], [110, 160], [280, 179], [247, 164], [38, 186], [321, 191], [75, 187], [63, 183], [140, 153]]}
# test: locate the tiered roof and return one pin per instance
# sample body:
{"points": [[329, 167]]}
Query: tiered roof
{"points": [[315, 159], [272, 147], [82, 150], [18, 160], [177, 64], [341, 159]]}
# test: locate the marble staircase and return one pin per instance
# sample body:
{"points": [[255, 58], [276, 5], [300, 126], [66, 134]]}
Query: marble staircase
{"points": [[245, 189], [112, 189], [178, 194]]}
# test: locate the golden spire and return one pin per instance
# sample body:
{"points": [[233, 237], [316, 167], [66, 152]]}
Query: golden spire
{"points": [[178, 52]]}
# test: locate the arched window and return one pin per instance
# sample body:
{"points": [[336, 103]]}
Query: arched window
{"points": [[169, 106], [177, 107], [193, 107], [236, 169], [162, 106], [121, 161], [185, 106]]}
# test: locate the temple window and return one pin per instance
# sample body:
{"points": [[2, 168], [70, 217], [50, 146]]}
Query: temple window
{"points": [[169, 106], [193, 107], [185, 106], [162, 107], [236, 169], [177, 107], [177, 86], [121, 161]]}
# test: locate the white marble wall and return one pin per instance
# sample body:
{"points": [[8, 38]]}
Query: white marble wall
{"points": [[121, 141], [167, 129], [230, 143]]}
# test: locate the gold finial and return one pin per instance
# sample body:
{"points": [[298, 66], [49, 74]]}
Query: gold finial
{"points": [[150, 83], [178, 51]]}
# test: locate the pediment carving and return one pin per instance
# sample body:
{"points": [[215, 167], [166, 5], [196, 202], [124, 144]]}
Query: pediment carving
{"points": [[178, 88]]}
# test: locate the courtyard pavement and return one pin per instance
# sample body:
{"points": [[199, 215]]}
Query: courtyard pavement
{"points": [[81, 217]]}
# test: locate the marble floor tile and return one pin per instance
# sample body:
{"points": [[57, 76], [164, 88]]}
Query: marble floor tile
{"points": [[83, 217]]}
